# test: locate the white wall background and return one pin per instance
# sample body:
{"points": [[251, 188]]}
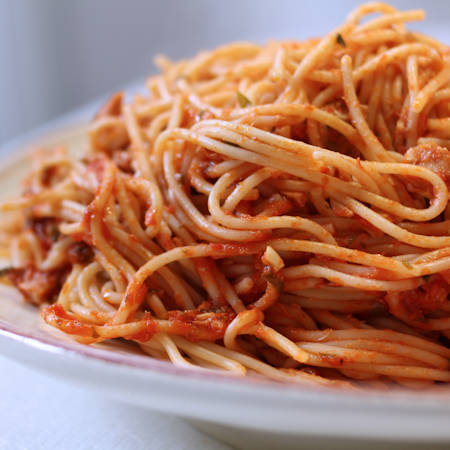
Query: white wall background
{"points": [[58, 54]]}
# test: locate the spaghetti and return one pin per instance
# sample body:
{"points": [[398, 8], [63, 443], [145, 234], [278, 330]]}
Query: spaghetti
{"points": [[279, 209]]}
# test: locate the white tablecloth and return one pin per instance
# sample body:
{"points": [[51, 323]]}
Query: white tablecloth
{"points": [[41, 413]]}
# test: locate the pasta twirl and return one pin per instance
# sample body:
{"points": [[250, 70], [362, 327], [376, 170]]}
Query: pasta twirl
{"points": [[278, 209]]}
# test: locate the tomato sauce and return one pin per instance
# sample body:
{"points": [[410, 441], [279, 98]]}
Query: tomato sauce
{"points": [[56, 316]]}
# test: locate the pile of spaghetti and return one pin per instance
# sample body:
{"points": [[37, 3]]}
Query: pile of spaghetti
{"points": [[278, 209]]}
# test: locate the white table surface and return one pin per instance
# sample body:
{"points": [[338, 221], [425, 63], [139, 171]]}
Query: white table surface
{"points": [[41, 413]]}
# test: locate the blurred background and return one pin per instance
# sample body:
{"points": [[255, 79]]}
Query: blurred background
{"points": [[57, 55]]}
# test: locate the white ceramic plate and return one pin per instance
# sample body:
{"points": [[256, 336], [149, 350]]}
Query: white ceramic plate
{"points": [[225, 406]]}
